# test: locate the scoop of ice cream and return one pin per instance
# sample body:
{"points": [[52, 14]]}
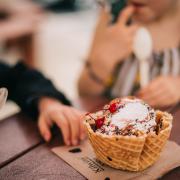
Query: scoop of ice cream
{"points": [[134, 113], [126, 116], [129, 114]]}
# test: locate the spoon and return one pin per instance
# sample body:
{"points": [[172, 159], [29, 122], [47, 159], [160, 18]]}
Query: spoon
{"points": [[143, 49]]}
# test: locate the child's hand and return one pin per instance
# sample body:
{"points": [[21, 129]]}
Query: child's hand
{"points": [[161, 92], [68, 119], [113, 43]]}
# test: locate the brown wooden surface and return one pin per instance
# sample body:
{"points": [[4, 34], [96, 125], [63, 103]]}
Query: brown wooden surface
{"points": [[17, 135], [40, 163]]}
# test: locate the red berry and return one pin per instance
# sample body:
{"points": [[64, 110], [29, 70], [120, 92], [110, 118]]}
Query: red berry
{"points": [[100, 122], [113, 108]]}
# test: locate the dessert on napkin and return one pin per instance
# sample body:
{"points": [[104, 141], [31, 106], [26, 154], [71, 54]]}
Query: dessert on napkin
{"points": [[128, 134]]}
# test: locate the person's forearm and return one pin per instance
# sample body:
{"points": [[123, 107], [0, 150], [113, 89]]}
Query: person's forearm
{"points": [[87, 86], [27, 86], [111, 45], [90, 86]]}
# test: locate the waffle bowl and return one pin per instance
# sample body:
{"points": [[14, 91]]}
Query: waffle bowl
{"points": [[132, 153]]}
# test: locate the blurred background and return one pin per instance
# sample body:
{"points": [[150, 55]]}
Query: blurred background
{"points": [[51, 35]]}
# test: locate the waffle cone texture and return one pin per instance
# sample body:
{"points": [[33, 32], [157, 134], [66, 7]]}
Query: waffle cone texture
{"points": [[132, 153]]}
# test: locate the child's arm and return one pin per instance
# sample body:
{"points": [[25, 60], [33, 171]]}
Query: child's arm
{"points": [[112, 43], [37, 96]]}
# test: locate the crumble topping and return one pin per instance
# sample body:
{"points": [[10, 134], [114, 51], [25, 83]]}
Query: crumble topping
{"points": [[126, 116]]}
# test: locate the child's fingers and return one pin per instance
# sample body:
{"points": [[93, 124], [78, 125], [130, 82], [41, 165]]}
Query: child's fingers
{"points": [[44, 128], [80, 117], [83, 133], [160, 101], [105, 17], [133, 29], [155, 85], [74, 132], [153, 95], [82, 130], [74, 125], [63, 124], [125, 15]]}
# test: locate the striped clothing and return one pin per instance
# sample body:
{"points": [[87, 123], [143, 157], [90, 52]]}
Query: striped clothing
{"points": [[126, 77]]}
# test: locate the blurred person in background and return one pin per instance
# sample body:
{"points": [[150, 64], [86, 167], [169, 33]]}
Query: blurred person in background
{"points": [[31, 90], [19, 20], [111, 69]]}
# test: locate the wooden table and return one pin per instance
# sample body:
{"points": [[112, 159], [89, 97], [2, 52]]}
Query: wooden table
{"points": [[24, 155]]}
